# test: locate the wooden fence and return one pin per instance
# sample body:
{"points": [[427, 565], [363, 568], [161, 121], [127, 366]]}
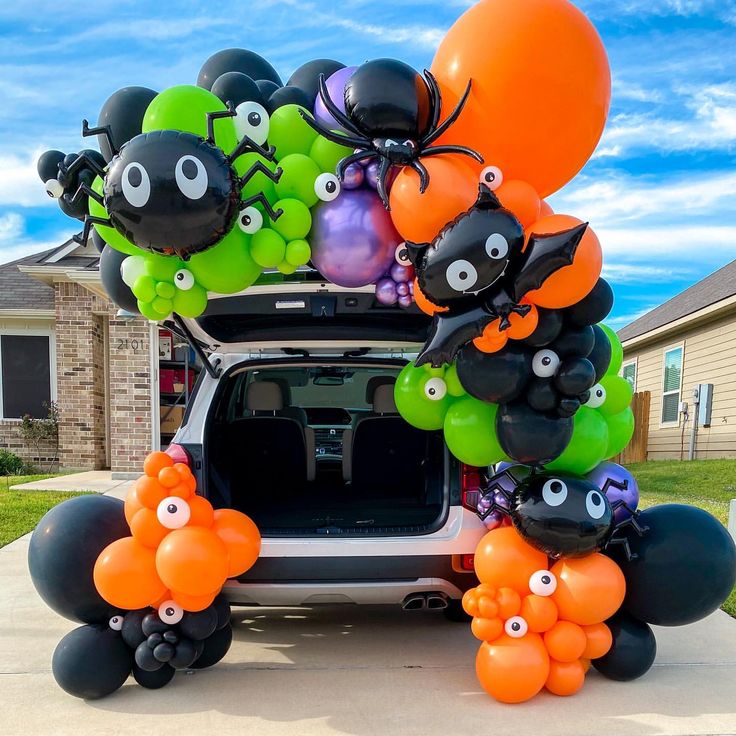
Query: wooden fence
{"points": [[636, 450]]}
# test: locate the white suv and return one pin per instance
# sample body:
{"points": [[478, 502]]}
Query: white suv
{"points": [[294, 424]]}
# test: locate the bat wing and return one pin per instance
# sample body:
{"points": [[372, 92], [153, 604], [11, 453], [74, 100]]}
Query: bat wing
{"points": [[544, 255], [449, 332]]}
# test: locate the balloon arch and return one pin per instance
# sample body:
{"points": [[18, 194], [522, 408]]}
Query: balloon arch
{"points": [[431, 187]]}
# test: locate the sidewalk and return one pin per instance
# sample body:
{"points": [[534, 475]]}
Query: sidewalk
{"points": [[96, 481]]}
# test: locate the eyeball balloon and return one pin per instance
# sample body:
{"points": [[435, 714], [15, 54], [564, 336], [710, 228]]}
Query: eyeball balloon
{"points": [[173, 512]]}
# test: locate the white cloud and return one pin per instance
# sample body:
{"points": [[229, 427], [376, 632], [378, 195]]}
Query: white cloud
{"points": [[697, 246], [635, 273], [19, 182], [16, 243]]}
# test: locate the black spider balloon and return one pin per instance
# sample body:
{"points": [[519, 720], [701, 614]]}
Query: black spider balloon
{"points": [[392, 114]]}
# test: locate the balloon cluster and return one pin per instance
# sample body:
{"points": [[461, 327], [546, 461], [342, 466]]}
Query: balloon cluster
{"points": [[151, 602]]}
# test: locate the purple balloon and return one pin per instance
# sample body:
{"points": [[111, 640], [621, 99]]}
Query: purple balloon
{"points": [[402, 273], [630, 494], [402, 288], [336, 87], [406, 301], [493, 520], [501, 500], [354, 177], [353, 239], [386, 292], [371, 173]]}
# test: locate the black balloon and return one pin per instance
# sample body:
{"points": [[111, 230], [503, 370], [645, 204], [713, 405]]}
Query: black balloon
{"points": [[287, 96], [306, 77], [222, 607], [91, 662], [164, 651], [97, 240], [132, 631], [600, 355], [63, 550], [562, 515], [593, 308], [153, 680], [47, 165], [684, 569], [574, 376], [199, 625], [152, 624], [541, 395], [236, 60], [633, 650], [548, 328], [267, 87], [186, 653], [123, 111], [145, 658], [116, 288], [215, 648], [577, 341], [530, 437], [237, 87], [494, 377], [569, 405]]}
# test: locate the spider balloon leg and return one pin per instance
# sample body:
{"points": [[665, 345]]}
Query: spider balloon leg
{"points": [[343, 140], [630, 521], [381, 182], [334, 110], [247, 144], [83, 189], [421, 169], [105, 130], [495, 487], [216, 115], [260, 198], [260, 167], [83, 159], [353, 158], [435, 98], [90, 220], [452, 117], [439, 150], [619, 485]]}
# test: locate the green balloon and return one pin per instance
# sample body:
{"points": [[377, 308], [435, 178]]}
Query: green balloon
{"points": [[162, 268], [470, 432], [286, 268], [327, 155], [227, 267], [165, 289], [267, 248], [288, 132], [620, 432], [413, 403], [259, 182], [454, 387], [185, 107], [587, 447], [190, 303], [109, 234], [619, 394], [144, 288], [298, 252], [296, 220], [298, 174], [617, 351], [147, 310], [162, 306]]}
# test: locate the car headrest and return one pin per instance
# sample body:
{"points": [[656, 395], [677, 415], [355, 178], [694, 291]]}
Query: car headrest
{"points": [[374, 382], [383, 399], [264, 396], [283, 384]]}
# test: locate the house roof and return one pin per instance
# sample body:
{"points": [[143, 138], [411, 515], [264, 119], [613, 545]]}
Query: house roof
{"points": [[712, 289], [18, 290]]}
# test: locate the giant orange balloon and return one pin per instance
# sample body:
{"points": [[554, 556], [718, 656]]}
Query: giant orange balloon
{"points": [[453, 188], [241, 537], [571, 283], [192, 560], [512, 670], [125, 575], [541, 87], [589, 589], [504, 559]]}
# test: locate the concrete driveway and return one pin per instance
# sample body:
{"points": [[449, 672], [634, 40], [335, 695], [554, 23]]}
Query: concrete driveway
{"points": [[344, 670]]}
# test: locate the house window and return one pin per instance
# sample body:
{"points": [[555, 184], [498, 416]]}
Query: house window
{"points": [[672, 385], [25, 375], [629, 373]]}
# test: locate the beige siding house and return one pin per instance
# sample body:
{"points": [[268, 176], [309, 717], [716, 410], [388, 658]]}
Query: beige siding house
{"points": [[688, 341]]}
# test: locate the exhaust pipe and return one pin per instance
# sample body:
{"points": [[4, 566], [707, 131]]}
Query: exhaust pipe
{"points": [[436, 601], [414, 602]]}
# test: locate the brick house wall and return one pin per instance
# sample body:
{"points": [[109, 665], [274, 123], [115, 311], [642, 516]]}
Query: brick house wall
{"points": [[10, 439]]}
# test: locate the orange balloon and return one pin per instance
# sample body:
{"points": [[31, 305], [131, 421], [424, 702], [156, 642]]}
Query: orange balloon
{"points": [[147, 529], [522, 327], [571, 283], [125, 575], [521, 198], [509, 603], [486, 629], [539, 612], [565, 641], [184, 470], [150, 492], [513, 670], [470, 602], [194, 602], [487, 606], [169, 477], [156, 462], [589, 589], [241, 537], [541, 88], [504, 559], [423, 303], [453, 188], [201, 512], [182, 490], [599, 640], [565, 678], [192, 560], [492, 339], [131, 505], [545, 209], [166, 596]]}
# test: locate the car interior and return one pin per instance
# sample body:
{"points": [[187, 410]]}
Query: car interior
{"points": [[321, 449]]}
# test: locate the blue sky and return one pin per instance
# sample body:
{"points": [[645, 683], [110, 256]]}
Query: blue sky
{"points": [[660, 190]]}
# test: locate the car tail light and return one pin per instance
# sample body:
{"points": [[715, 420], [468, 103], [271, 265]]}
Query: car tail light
{"points": [[179, 454], [470, 487], [466, 562]]}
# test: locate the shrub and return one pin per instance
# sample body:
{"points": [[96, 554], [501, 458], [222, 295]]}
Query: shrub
{"points": [[40, 432], [10, 463]]}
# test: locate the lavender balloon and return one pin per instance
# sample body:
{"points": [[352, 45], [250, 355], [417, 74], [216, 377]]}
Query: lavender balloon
{"points": [[402, 288], [354, 177], [406, 301], [371, 173], [402, 273], [353, 239], [386, 292], [336, 87], [629, 494]]}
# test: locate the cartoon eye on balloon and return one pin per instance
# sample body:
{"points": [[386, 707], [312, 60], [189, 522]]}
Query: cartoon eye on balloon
{"points": [[545, 363], [54, 188], [184, 279], [135, 184], [461, 276], [327, 187], [497, 246], [401, 256], [492, 177], [173, 512], [543, 583], [597, 396], [116, 623], [170, 612], [435, 389], [516, 627], [250, 220], [191, 177], [554, 492], [595, 505], [252, 120]]}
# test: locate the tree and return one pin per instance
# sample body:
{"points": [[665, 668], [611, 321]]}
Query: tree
{"points": [[40, 432]]}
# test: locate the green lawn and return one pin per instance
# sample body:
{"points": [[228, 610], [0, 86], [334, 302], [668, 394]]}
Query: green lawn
{"points": [[21, 510], [708, 484]]}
